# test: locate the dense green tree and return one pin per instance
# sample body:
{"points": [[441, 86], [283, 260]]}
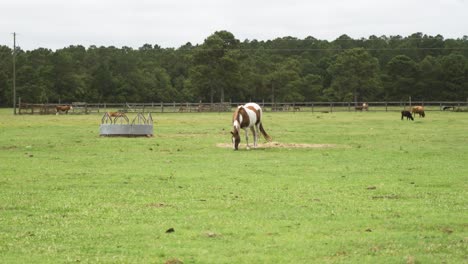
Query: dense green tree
{"points": [[223, 68], [6, 72], [311, 88], [430, 82], [355, 74], [216, 66], [402, 78], [454, 77], [284, 82]]}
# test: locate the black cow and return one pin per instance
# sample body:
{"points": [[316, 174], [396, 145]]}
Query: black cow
{"points": [[407, 114]]}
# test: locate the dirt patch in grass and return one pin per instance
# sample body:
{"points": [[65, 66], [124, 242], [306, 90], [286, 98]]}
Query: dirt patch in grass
{"points": [[279, 145]]}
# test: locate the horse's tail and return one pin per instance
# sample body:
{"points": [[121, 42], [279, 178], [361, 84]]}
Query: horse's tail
{"points": [[264, 133]]}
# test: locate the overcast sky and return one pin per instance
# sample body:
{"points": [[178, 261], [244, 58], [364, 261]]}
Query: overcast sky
{"points": [[56, 24]]}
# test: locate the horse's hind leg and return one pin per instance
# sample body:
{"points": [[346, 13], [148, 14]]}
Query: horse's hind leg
{"points": [[247, 137], [257, 130]]}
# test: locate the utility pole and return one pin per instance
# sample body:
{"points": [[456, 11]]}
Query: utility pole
{"points": [[14, 73]]}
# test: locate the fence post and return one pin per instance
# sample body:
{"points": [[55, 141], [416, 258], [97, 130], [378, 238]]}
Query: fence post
{"points": [[386, 107], [331, 107], [162, 107]]}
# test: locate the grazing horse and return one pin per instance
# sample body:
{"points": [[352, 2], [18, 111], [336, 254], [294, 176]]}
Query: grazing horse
{"points": [[63, 108], [364, 106], [407, 114], [117, 115], [245, 117], [418, 110]]}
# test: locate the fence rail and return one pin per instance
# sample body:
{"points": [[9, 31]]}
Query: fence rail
{"points": [[325, 107]]}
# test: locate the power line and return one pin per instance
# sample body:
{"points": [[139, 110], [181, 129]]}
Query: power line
{"points": [[325, 49]]}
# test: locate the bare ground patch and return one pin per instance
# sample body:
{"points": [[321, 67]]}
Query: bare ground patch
{"points": [[279, 145]]}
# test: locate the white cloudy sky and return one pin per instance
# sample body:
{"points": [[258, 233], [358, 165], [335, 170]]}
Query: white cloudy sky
{"points": [[56, 24]]}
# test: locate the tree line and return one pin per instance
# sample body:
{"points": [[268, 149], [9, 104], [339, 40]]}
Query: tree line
{"points": [[224, 68]]}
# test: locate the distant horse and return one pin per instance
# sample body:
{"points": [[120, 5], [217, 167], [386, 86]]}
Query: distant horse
{"points": [[63, 108], [418, 110], [117, 115], [407, 114], [245, 117], [364, 106]]}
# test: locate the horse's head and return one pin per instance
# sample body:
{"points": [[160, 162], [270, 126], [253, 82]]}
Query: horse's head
{"points": [[236, 128], [235, 138]]}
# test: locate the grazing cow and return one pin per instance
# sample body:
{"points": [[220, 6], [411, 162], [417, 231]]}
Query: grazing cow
{"points": [[63, 108], [407, 114], [364, 106], [245, 117], [418, 110]]}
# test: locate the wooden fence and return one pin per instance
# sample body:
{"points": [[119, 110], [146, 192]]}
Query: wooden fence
{"points": [[324, 107]]}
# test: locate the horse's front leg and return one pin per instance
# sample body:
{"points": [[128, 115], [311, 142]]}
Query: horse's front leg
{"points": [[247, 137]]}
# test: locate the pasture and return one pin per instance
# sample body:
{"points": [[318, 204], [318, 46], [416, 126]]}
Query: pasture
{"points": [[378, 190]]}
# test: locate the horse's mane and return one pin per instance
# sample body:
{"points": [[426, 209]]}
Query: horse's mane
{"points": [[235, 116]]}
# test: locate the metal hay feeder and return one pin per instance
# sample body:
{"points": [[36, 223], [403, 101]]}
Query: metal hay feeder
{"points": [[121, 127]]}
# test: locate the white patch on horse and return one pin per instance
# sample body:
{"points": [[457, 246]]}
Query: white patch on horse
{"points": [[237, 124]]}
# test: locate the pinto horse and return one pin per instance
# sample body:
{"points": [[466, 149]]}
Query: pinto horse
{"points": [[245, 117], [364, 106], [63, 108]]}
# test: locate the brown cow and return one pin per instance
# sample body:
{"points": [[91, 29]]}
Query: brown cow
{"points": [[418, 110], [63, 108]]}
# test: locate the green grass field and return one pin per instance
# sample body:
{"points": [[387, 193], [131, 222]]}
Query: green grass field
{"points": [[389, 191]]}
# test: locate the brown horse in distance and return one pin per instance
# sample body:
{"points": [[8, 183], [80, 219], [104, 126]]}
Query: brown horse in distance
{"points": [[418, 110], [117, 115], [63, 108]]}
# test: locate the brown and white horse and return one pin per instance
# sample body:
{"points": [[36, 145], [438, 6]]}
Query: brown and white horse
{"points": [[63, 108], [364, 106], [245, 117]]}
